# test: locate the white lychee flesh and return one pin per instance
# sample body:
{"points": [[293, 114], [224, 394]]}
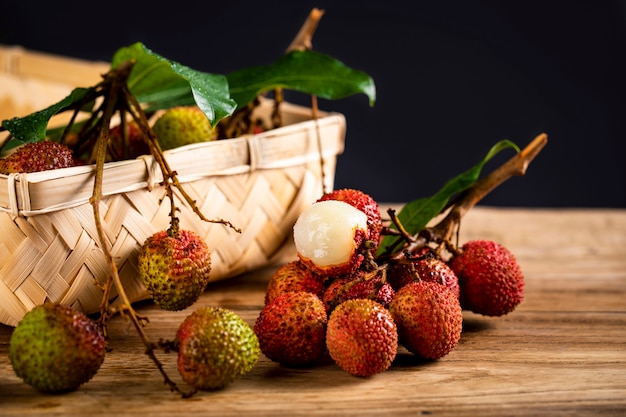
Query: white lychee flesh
{"points": [[325, 232]]}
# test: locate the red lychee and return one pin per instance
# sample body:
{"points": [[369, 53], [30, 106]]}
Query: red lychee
{"points": [[427, 268], [127, 146], [490, 279], [361, 284], [292, 329], [362, 337], [37, 156], [429, 319], [293, 276]]}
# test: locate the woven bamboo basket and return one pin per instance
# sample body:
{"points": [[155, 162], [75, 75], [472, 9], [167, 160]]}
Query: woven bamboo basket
{"points": [[49, 247]]}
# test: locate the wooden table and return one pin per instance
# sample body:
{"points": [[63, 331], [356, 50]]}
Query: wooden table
{"points": [[561, 352]]}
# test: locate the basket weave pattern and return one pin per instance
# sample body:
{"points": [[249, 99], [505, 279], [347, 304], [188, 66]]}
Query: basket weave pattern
{"points": [[49, 246]]}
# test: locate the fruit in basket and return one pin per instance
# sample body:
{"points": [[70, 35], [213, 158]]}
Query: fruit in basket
{"points": [[183, 125], [292, 329], [37, 156], [330, 237], [215, 347], [56, 349], [427, 268], [362, 337], [363, 202], [293, 276], [127, 146], [175, 268], [429, 319], [490, 279]]}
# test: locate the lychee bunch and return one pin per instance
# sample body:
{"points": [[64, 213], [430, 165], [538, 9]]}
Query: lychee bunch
{"points": [[215, 347], [490, 279], [429, 318], [175, 268], [183, 125], [362, 337], [56, 349], [292, 329], [37, 156]]}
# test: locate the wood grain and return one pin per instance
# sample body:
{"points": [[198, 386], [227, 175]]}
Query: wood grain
{"points": [[561, 352]]}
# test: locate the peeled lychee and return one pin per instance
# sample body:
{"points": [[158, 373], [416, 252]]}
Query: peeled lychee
{"points": [[37, 156], [55, 348], [215, 347], [362, 337], [183, 125], [292, 329], [293, 276], [363, 202], [175, 268], [429, 319], [329, 237], [490, 279]]}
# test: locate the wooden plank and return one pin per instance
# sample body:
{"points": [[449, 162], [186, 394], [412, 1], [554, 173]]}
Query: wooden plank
{"points": [[561, 352]]}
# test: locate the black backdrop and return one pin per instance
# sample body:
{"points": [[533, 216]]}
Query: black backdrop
{"points": [[452, 79]]}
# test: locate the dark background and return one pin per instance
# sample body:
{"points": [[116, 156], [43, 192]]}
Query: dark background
{"points": [[452, 79]]}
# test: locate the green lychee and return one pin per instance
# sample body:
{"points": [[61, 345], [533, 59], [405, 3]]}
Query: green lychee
{"points": [[490, 279], [56, 349], [362, 337], [183, 125], [292, 329], [37, 156], [429, 318], [215, 347], [175, 268]]}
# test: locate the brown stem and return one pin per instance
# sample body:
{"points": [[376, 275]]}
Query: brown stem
{"points": [[302, 41]]}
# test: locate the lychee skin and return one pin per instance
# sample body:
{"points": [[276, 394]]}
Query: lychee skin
{"points": [[183, 125], [361, 284], [362, 337], [37, 156], [429, 319], [174, 269], [215, 347], [293, 276], [490, 279], [129, 147], [363, 202], [292, 329], [56, 349]]}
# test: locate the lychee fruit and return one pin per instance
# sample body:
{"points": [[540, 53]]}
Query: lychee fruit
{"points": [[37, 156], [292, 329], [129, 144], [183, 125], [293, 276], [329, 237], [361, 284], [490, 279], [363, 202], [429, 319], [56, 349], [362, 337], [175, 268], [215, 347], [427, 268]]}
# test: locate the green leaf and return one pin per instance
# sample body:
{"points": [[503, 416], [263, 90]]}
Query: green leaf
{"points": [[416, 214], [160, 83], [304, 71], [32, 128]]}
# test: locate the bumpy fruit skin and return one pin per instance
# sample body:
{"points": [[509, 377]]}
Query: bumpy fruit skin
{"points": [[215, 347], [429, 319], [361, 284], [292, 329], [293, 276], [37, 156], [56, 349], [362, 337], [490, 279], [174, 269], [183, 125], [329, 237], [363, 202], [427, 269]]}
